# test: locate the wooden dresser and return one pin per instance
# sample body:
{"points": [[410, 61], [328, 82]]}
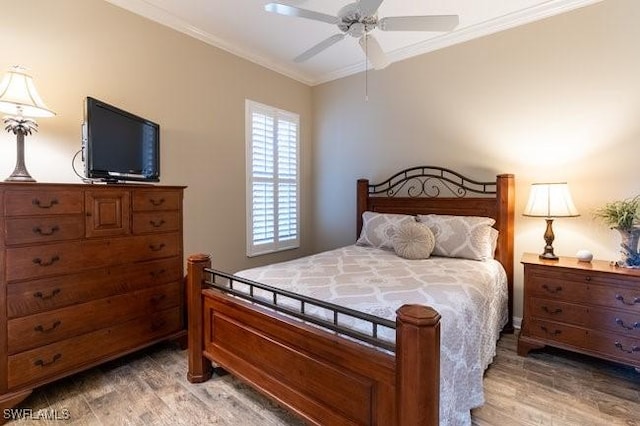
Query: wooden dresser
{"points": [[89, 273], [592, 308]]}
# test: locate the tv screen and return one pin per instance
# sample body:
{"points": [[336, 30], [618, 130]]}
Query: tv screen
{"points": [[118, 145]]}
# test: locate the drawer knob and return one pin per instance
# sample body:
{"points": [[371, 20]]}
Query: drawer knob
{"points": [[49, 262], [629, 351], [622, 324], [38, 230], [36, 202], [621, 299], [41, 329], [552, 312], [42, 363], [551, 333], [157, 224], [39, 295], [154, 247], [156, 202], [558, 289], [588, 278]]}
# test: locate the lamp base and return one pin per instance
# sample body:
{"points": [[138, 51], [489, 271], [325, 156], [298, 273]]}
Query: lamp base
{"points": [[20, 127], [548, 256]]}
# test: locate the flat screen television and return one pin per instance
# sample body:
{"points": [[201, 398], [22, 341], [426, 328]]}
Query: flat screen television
{"points": [[118, 145]]}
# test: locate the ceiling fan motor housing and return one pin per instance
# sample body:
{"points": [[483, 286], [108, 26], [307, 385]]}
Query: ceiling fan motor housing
{"points": [[352, 21]]}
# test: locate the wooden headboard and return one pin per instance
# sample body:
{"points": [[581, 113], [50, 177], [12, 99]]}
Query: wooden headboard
{"points": [[436, 190]]}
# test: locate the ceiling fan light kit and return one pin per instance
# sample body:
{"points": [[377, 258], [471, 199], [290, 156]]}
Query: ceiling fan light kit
{"points": [[358, 20]]}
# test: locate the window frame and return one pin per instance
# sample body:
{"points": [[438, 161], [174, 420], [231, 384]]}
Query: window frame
{"points": [[278, 244]]}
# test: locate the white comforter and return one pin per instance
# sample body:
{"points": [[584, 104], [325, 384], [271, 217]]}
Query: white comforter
{"points": [[471, 297]]}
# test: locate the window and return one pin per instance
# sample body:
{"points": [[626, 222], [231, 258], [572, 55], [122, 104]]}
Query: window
{"points": [[273, 203]]}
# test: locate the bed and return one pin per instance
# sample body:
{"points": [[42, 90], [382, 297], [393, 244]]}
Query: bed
{"points": [[386, 370]]}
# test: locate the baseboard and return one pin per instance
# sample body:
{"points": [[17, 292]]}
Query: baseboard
{"points": [[517, 322]]}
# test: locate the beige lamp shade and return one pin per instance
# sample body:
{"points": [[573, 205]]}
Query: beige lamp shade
{"points": [[18, 95], [550, 200]]}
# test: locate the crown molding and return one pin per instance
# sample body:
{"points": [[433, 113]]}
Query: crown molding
{"points": [[166, 18], [521, 17], [511, 20]]}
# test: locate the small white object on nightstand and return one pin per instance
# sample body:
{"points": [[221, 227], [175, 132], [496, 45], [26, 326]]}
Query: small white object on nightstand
{"points": [[584, 255]]}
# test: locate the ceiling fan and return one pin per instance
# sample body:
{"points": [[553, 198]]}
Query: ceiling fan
{"points": [[358, 20]]}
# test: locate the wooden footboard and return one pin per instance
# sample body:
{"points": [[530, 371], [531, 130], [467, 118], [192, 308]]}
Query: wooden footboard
{"points": [[323, 377]]}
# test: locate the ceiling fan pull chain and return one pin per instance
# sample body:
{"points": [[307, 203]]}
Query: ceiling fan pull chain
{"points": [[366, 70]]}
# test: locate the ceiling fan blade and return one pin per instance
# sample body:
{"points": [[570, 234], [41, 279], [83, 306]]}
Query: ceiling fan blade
{"points": [[374, 52], [419, 23], [284, 9], [369, 7], [319, 47]]}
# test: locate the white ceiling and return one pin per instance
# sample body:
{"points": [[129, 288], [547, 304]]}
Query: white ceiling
{"points": [[244, 28]]}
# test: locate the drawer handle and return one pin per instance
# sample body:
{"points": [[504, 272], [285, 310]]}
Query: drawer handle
{"points": [[550, 312], [621, 324], [42, 363], [49, 262], [552, 290], [158, 247], [158, 274], [156, 298], [39, 295], [629, 351], [621, 298], [38, 203], [552, 333], [157, 224], [41, 329], [156, 202], [51, 231]]}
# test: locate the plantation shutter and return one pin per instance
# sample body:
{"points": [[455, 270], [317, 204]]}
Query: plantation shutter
{"points": [[272, 179]]}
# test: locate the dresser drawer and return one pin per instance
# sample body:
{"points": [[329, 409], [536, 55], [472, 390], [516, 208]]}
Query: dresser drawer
{"points": [[161, 221], [43, 202], [623, 298], [42, 229], [51, 326], [29, 297], [559, 311], [620, 322], [157, 200], [614, 346], [64, 258], [556, 287], [558, 333], [72, 354]]}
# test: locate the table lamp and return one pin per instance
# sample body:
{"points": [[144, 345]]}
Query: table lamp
{"points": [[550, 200], [19, 97]]}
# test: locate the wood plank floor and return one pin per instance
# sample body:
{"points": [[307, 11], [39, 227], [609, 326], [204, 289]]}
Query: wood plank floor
{"points": [[549, 387]]}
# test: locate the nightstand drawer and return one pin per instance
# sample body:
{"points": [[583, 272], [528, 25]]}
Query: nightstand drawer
{"points": [[560, 333], [559, 311]]}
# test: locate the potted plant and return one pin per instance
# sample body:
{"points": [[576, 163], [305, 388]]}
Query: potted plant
{"points": [[624, 216]]}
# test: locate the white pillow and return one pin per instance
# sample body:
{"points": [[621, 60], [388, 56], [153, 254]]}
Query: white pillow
{"points": [[378, 229], [413, 240], [468, 237]]}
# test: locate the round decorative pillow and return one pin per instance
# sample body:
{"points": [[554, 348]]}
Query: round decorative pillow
{"points": [[413, 240]]}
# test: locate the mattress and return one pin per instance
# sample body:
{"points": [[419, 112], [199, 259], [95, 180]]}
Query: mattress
{"points": [[471, 297]]}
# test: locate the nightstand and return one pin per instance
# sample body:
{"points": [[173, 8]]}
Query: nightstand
{"points": [[592, 308]]}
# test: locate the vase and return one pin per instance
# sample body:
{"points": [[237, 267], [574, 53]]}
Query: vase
{"points": [[629, 248]]}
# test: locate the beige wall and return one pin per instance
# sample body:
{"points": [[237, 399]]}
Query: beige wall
{"points": [[79, 48], [554, 100]]}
